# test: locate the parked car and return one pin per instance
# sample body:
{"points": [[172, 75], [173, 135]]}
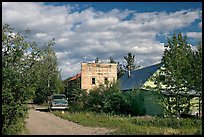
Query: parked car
{"points": [[58, 102]]}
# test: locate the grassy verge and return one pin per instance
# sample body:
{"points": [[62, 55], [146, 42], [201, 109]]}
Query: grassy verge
{"points": [[135, 125]]}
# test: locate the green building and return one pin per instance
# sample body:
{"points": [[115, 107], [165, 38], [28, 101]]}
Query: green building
{"points": [[146, 99]]}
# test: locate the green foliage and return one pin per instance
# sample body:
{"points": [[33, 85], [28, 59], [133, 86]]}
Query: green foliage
{"points": [[168, 122], [181, 73], [130, 59], [97, 60], [18, 59], [120, 70], [48, 80], [106, 98], [109, 99], [78, 100], [197, 65], [76, 96], [117, 103], [25, 68], [112, 60], [126, 125], [197, 74], [95, 100]]}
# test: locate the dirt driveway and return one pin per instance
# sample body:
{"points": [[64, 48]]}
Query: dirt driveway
{"points": [[41, 122]]}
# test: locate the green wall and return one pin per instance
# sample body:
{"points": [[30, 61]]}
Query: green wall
{"points": [[146, 105]]}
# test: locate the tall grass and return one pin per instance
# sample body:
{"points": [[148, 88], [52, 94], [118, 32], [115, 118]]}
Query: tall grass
{"points": [[126, 125]]}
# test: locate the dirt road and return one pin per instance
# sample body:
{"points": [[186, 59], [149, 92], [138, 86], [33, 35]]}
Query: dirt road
{"points": [[41, 122]]}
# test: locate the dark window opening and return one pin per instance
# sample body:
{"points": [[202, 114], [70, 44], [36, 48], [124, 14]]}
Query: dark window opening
{"points": [[106, 80], [93, 81]]}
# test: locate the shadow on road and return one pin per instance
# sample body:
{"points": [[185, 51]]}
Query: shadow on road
{"points": [[42, 109]]}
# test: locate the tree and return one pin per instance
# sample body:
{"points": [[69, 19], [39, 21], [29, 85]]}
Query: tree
{"points": [[197, 71], [178, 75], [25, 67], [18, 59], [120, 70], [97, 60], [109, 99], [112, 60], [130, 59], [49, 80], [76, 95]]}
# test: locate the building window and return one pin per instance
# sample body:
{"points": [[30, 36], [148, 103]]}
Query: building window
{"points": [[106, 80], [98, 65], [89, 69], [94, 81]]}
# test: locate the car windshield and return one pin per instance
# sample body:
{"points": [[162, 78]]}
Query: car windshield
{"points": [[58, 97]]}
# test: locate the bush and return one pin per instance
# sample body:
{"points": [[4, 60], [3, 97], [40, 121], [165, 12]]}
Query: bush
{"points": [[77, 99], [95, 100], [108, 99], [13, 116]]}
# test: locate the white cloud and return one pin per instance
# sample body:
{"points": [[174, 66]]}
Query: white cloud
{"points": [[83, 36], [162, 21], [196, 35], [41, 35]]}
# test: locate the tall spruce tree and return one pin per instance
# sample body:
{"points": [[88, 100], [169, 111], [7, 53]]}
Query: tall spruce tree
{"points": [[178, 74]]}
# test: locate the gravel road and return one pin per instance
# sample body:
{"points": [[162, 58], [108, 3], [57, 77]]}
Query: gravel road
{"points": [[41, 122]]}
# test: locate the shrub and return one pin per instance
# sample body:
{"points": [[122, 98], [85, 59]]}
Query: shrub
{"points": [[108, 99]]}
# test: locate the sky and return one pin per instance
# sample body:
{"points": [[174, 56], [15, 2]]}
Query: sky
{"points": [[84, 31]]}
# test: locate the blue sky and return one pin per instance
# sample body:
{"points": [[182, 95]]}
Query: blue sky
{"points": [[86, 30], [142, 7], [138, 6]]}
